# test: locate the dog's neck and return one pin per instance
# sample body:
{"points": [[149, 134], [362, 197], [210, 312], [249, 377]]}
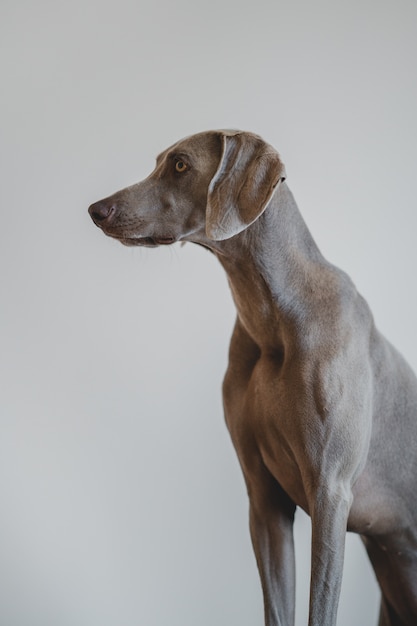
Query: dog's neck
{"points": [[277, 275]]}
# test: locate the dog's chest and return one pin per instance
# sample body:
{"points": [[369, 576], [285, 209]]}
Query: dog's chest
{"points": [[261, 415]]}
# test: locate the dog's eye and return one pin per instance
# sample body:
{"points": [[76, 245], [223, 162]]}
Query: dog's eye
{"points": [[180, 166]]}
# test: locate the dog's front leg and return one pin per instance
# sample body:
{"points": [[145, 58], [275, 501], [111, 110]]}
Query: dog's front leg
{"points": [[271, 527], [329, 516]]}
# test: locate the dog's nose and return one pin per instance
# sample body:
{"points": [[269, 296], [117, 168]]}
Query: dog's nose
{"points": [[101, 211]]}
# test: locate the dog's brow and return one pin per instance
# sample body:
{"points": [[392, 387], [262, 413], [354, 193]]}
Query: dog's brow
{"points": [[178, 155], [173, 154]]}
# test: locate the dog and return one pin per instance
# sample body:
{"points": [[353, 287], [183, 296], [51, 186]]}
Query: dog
{"points": [[321, 409]]}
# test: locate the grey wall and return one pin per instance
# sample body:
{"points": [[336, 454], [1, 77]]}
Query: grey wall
{"points": [[121, 499]]}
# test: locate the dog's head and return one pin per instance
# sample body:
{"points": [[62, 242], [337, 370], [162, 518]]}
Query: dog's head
{"points": [[207, 187]]}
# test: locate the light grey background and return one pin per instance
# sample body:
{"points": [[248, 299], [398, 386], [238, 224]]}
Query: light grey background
{"points": [[122, 502]]}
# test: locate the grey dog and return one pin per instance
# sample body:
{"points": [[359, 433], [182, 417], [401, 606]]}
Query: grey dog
{"points": [[322, 410]]}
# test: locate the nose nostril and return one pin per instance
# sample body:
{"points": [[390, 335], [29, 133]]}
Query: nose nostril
{"points": [[100, 211]]}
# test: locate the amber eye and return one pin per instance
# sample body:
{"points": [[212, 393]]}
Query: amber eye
{"points": [[180, 166]]}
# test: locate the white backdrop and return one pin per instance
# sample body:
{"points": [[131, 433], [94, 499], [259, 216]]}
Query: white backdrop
{"points": [[121, 498]]}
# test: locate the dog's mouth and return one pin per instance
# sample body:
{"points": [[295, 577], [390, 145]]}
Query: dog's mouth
{"points": [[148, 242]]}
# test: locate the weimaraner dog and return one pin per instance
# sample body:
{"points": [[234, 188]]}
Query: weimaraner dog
{"points": [[322, 410]]}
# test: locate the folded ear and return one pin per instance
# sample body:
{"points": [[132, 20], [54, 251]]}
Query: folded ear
{"points": [[248, 174]]}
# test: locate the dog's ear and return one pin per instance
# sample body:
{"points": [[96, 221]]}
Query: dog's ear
{"points": [[248, 174]]}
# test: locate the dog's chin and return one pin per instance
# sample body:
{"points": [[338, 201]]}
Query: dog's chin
{"points": [[147, 242]]}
